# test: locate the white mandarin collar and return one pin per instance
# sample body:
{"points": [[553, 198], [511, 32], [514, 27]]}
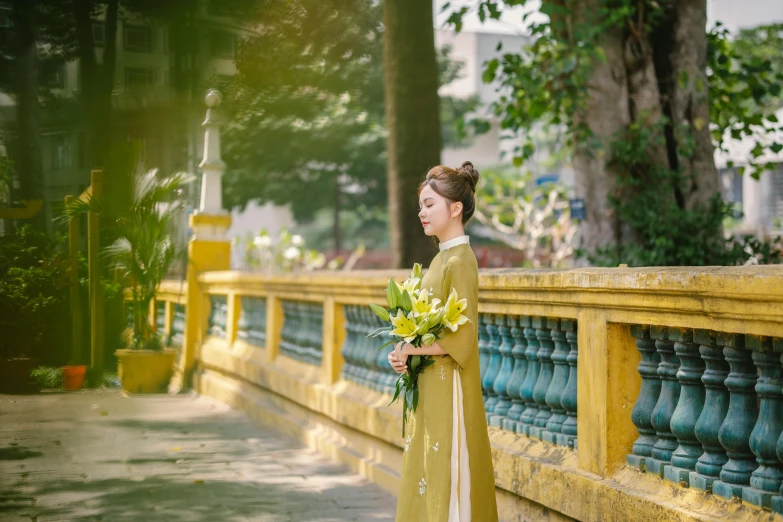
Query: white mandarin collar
{"points": [[461, 240]]}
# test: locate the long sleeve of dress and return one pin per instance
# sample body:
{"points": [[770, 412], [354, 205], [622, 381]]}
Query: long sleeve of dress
{"points": [[458, 275]]}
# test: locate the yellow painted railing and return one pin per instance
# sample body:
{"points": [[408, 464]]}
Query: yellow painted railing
{"points": [[284, 348]]}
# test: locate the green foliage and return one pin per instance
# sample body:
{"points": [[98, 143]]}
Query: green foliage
{"points": [[51, 377], [528, 217], [546, 84], [34, 309], [286, 253], [47, 377], [139, 211], [6, 173], [745, 77], [306, 113], [665, 233], [95, 378], [763, 45]]}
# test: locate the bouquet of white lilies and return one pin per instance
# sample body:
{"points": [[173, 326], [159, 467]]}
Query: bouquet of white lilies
{"points": [[414, 317]]}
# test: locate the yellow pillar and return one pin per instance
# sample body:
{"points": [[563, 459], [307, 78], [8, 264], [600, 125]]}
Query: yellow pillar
{"points": [[204, 255], [76, 305], [274, 326], [608, 385], [96, 290], [333, 339]]}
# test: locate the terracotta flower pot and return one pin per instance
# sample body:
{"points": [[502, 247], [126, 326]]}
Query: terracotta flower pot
{"points": [[73, 377], [145, 371]]}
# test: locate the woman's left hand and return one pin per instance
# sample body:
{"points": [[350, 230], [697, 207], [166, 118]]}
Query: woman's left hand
{"points": [[398, 352]]}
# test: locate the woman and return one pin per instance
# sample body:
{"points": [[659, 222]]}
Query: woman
{"points": [[447, 471]]}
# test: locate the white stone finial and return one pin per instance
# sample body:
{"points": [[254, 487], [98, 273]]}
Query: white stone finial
{"points": [[212, 165], [213, 98]]}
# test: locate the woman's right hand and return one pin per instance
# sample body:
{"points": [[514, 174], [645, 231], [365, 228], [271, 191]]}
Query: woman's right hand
{"points": [[397, 365]]}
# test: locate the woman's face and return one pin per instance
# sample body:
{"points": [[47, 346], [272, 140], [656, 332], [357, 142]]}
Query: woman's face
{"points": [[435, 212]]}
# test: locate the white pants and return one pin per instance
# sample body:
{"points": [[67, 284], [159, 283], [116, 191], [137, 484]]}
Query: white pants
{"points": [[459, 503]]}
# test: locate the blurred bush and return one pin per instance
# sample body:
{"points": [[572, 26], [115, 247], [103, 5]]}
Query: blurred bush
{"points": [[34, 306]]}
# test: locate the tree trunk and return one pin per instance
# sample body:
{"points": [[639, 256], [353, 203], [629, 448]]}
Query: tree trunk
{"points": [[645, 76], [690, 105], [97, 82], [606, 113], [103, 119], [412, 120], [30, 172]]}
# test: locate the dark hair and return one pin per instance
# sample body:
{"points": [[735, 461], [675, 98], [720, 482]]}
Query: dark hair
{"points": [[455, 185]]}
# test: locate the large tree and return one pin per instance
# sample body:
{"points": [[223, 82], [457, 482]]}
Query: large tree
{"points": [[20, 62], [306, 123], [631, 82], [412, 119]]}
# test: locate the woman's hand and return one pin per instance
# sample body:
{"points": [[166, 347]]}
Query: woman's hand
{"points": [[397, 359]]}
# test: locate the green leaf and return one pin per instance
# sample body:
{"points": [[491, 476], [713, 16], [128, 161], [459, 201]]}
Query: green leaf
{"points": [[426, 362], [683, 79], [380, 311], [405, 301], [397, 388], [378, 331], [387, 343], [415, 361], [393, 296]]}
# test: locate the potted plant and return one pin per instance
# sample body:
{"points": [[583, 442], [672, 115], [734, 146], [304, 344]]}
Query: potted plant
{"points": [[139, 212], [33, 306]]}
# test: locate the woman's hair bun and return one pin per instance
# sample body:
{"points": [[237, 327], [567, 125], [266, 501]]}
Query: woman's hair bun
{"points": [[469, 172]]}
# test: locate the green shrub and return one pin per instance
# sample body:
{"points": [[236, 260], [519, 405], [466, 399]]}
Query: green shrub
{"points": [[47, 377], [34, 306]]}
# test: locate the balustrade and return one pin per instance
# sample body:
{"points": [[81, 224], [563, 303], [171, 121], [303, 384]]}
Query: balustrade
{"points": [[129, 314], [484, 354], [363, 363], [160, 317], [648, 397], [301, 337], [709, 411], [689, 406], [568, 432], [216, 324], [531, 377], [554, 394], [503, 403], [717, 420], [514, 388], [716, 404], [252, 321], [544, 328], [493, 368], [766, 479], [734, 434], [177, 333], [662, 414]]}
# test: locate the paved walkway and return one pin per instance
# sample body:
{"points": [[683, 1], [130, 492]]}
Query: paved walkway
{"points": [[97, 455]]}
